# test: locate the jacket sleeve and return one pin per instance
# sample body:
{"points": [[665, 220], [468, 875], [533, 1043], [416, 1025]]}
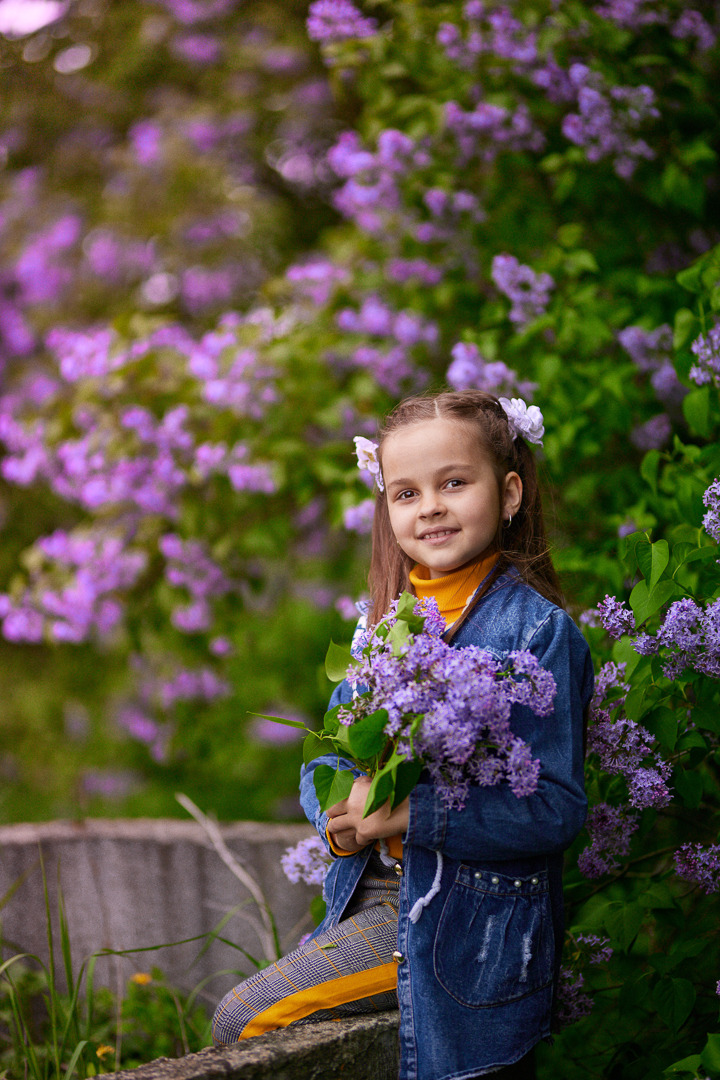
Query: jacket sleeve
{"points": [[308, 797], [495, 824]]}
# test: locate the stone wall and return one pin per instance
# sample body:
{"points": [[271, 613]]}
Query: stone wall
{"points": [[135, 884], [361, 1048]]}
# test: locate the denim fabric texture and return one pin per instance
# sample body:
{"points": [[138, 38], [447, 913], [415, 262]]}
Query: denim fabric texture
{"points": [[476, 978]]}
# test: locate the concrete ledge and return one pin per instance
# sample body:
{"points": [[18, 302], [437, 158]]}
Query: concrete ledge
{"points": [[140, 883], [359, 1048]]}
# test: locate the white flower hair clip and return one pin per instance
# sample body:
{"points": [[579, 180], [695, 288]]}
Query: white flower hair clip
{"points": [[367, 458], [525, 420]]}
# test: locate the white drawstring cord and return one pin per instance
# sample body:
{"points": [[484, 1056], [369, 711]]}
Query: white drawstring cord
{"points": [[385, 857], [419, 905]]}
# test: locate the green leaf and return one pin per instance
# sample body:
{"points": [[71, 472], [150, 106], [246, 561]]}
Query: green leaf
{"points": [[623, 922], [696, 409], [663, 724], [674, 1000], [367, 737], [657, 895], [710, 1057], [406, 777], [645, 601], [281, 720], [332, 785], [685, 327], [689, 787], [684, 1066], [314, 746], [337, 661], [649, 469], [381, 789], [652, 560]]}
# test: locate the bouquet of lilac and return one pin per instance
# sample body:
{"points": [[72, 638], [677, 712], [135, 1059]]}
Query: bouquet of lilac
{"points": [[421, 704]]}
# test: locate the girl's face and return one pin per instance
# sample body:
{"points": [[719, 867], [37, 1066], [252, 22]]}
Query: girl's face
{"points": [[443, 495]]}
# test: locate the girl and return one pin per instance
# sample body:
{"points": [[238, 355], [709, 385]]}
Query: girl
{"points": [[455, 915]]}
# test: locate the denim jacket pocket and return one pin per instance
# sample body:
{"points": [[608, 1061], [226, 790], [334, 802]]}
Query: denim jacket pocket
{"points": [[494, 942]]}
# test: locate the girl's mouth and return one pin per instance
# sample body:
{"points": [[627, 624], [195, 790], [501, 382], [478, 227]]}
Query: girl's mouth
{"points": [[438, 535]]}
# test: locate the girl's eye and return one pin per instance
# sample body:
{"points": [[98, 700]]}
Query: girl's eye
{"points": [[455, 483], [408, 494]]}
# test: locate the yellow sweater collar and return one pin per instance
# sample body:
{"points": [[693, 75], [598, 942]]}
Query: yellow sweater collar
{"points": [[452, 591]]}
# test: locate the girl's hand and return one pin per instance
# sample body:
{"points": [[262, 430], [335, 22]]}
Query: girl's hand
{"points": [[351, 831]]}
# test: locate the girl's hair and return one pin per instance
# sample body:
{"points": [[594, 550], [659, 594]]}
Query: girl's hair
{"points": [[522, 544]]}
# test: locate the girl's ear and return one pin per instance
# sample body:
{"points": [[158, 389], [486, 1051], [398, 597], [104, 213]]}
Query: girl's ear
{"points": [[512, 495]]}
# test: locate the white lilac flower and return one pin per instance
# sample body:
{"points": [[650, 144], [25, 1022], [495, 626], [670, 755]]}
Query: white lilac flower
{"points": [[525, 420]]}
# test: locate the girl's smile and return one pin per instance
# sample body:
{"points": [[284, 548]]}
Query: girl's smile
{"points": [[444, 499]]}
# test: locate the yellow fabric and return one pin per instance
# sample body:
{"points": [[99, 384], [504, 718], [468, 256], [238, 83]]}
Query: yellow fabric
{"points": [[452, 591], [325, 995]]}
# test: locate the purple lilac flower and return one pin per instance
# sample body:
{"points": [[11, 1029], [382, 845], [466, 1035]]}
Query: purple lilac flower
{"points": [[691, 24], [489, 128], [621, 745], [528, 292], [692, 639], [711, 521], [631, 14], [572, 1003], [706, 349], [146, 139], [307, 861], [653, 434], [338, 20], [465, 698], [610, 830], [608, 118], [420, 270], [699, 865], [598, 949], [197, 48], [648, 349], [317, 279], [616, 617], [359, 518], [470, 369]]}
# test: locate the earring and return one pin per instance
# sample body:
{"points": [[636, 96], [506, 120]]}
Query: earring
{"points": [[508, 523]]}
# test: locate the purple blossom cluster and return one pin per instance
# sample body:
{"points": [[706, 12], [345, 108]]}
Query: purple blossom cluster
{"points": [[690, 637], [391, 365], [371, 192], [699, 865], [190, 567], [706, 350], [465, 698], [487, 129], [653, 434], [72, 590], [359, 518], [528, 292], [616, 617], [711, 521], [651, 351], [490, 31], [470, 369], [623, 746], [307, 861], [573, 1002], [638, 14], [610, 829], [317, 279], [338, 20], [608, 118]]}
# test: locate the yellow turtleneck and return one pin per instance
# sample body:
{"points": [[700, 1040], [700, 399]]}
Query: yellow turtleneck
{"points": [[452, 593]]}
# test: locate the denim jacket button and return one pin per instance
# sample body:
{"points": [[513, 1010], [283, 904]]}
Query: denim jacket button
{"points": [[478, 875], [398, 869], [495, 880], [517, 883], [398, 956], [534, 881]]}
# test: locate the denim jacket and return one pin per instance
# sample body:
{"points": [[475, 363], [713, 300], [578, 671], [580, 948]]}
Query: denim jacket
{"points": [[477, 969]]}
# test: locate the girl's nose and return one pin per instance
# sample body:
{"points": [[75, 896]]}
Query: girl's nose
{"points": [[430, 505]]}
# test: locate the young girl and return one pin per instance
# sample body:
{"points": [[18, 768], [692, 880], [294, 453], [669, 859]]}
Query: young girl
{"points": [[454, 915]]}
